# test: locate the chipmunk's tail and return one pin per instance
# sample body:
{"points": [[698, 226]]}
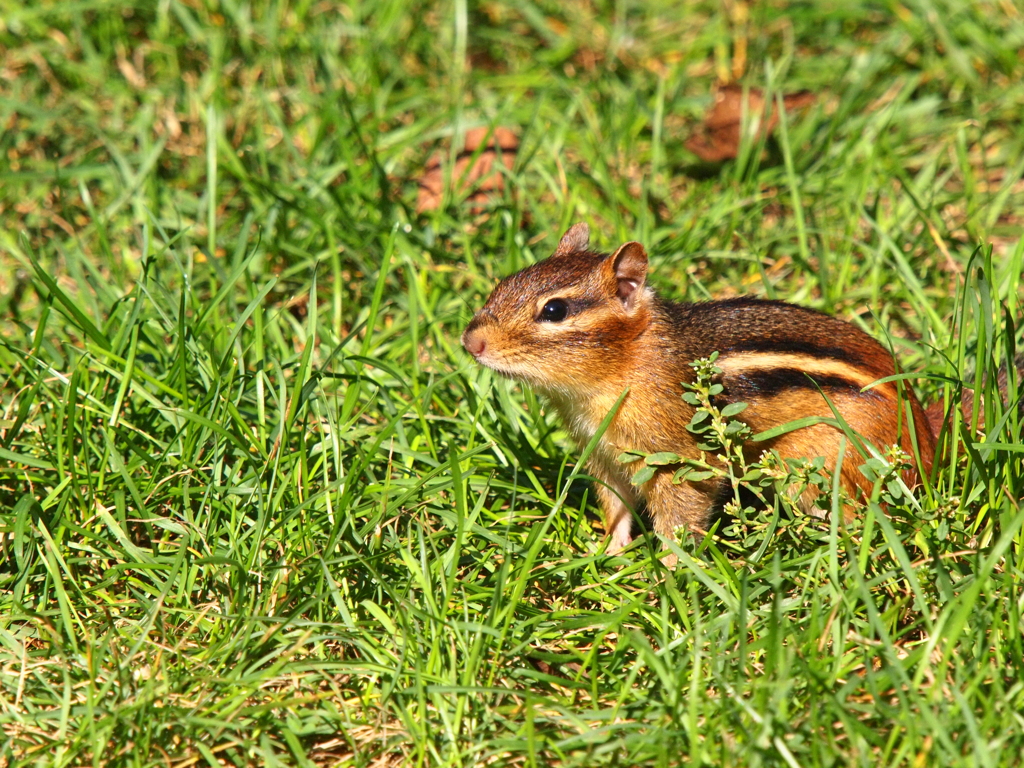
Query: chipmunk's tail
{"points": [[939, 416]]}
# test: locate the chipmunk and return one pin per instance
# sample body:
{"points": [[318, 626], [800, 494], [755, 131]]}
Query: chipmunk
{"points": [[583, 327]]}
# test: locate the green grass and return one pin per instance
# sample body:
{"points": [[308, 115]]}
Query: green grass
{"points": [[257, 507]]}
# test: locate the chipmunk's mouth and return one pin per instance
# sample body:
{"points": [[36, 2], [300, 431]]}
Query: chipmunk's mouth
{"points": [[482, 354], [476, 341], [502, 368]]}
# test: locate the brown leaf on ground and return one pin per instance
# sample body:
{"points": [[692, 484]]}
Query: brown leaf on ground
{"points": [[719, 137], [473, 171]]}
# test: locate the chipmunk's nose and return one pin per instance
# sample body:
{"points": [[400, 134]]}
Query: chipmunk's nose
{"points": [[473, 337], [473, 341]]}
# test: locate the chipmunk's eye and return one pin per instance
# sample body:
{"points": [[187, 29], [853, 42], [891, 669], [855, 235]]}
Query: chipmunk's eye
{"points": [[554, 311]]}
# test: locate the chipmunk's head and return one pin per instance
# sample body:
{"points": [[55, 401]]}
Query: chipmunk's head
{"points": [[568, 321]]}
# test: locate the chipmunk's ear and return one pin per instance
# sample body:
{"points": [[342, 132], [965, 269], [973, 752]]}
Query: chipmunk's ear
{"points": [[630, 265], [575, 240]]}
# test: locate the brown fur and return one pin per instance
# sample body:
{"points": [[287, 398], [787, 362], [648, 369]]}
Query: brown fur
{"points": [[618, 334]]}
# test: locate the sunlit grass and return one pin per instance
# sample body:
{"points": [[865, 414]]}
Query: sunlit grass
{"points": [[257, 507]]}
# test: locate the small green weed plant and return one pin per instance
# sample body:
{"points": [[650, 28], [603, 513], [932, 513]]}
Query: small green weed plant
{"points": [[765, 491]]}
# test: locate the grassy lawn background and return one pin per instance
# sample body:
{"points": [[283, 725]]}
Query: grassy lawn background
{"points": [[257, 507]]}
